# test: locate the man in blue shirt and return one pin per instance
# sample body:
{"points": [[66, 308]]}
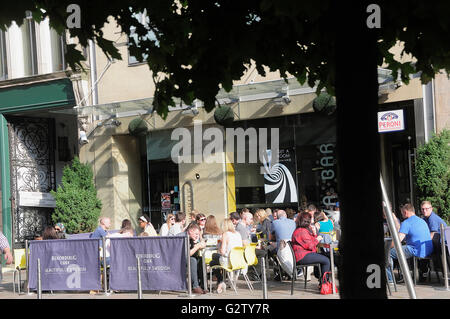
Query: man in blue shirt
{"points": [[100, 232], [433, 220], [434, 224], [102, 229], [417, 235], [282, 229]]}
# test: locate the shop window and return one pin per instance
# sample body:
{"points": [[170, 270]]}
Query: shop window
{"points": [[310, 139], [3, 62]]}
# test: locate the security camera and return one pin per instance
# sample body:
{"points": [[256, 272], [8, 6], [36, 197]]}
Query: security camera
{"points": [[83, 138]]}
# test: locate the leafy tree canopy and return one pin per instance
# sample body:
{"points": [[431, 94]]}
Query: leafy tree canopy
{"points": [[199, 46], [433, 172]]}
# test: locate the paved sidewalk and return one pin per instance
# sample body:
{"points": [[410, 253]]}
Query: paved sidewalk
{"points": [[275, 290]]}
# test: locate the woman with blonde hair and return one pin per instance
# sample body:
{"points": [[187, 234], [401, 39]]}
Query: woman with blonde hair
{"points": [[230, 239], [264, 223], [170, 221], [211, 230]]}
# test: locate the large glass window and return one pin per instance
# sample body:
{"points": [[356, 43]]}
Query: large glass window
{"points": [[3, 62], [51, 47], [31, 48], [308, 140]]}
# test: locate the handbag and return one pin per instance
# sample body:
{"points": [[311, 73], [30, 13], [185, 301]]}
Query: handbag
{"points": [[285, 256], [326, 287]]}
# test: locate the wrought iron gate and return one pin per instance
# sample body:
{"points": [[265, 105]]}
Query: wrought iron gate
{"points": [[32, 162]]}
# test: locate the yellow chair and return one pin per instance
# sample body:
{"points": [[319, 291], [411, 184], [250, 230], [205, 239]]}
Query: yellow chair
{"points": [[208, 255], [20, 262], [250, 257], [236, 263]]}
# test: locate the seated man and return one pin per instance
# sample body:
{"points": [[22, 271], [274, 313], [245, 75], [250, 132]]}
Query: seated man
{"points": [[195, 244], [417, 235], [282, 229], [434, 225], [102, 229], [242, 227], [102, 232]]}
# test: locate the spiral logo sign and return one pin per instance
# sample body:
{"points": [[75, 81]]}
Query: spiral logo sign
{"points": [[279, 181]]}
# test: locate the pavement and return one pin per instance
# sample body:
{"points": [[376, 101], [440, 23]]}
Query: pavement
{"points": [[275, 290]]}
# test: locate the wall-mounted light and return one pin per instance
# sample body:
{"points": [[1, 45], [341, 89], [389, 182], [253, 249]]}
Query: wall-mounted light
{"points": [[282, 100], [192, 111], [197, 176]]}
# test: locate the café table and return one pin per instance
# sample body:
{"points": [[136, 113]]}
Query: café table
{"points": [[332, 246]]}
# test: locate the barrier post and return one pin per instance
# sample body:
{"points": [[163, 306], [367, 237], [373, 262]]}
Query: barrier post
{"points": [[444, 257], [27, 266], [189, 283], [138, 270], [264, 280], [39, 283], [397, 244], [105, 266]]}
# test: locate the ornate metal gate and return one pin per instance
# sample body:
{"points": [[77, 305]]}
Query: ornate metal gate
{"points": [[32, 170]]}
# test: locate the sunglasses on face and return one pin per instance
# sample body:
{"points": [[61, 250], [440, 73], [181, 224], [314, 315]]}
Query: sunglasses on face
{"points": [[202, 219]]}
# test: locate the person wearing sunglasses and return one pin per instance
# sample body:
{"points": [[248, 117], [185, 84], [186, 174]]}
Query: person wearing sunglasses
{"points": [[200, 219], [170, 221]]}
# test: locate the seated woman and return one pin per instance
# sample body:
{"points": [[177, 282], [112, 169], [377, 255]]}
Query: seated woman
{"points": [[49, 233], [304, 243], [230, 239], [264, 223], [170, 221], [323, 223], [212, 232]]}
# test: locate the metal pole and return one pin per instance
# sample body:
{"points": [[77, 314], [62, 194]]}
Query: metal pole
{"points": [[397, 244], [333, 285], [444, 257], [26, 263], [139, 278], [189, 283], [410, 171], [264, 281], [105, 281], [39, 283]]}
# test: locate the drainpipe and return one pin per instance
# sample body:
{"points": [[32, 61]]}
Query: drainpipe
{"points": [[93, 67]]}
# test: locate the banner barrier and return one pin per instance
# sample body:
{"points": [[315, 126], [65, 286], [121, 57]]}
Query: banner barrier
{"points": [[162, 263], [65, 264]]}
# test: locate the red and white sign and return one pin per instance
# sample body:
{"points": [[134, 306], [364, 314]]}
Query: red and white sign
{"points": [[391, 121]]}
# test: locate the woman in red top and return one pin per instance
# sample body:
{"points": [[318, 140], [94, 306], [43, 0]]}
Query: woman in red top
{"points": [[304, 243]]}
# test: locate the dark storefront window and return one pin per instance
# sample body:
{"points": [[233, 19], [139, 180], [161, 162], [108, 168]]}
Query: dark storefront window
{"points": [[312, 137]]}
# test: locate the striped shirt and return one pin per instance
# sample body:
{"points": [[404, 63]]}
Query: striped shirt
{"points": [[3, 242]]}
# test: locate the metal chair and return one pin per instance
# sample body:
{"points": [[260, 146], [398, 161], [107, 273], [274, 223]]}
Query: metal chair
{"points": [[20, 261], [297, 266], [236, 263], [432, 268]]}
